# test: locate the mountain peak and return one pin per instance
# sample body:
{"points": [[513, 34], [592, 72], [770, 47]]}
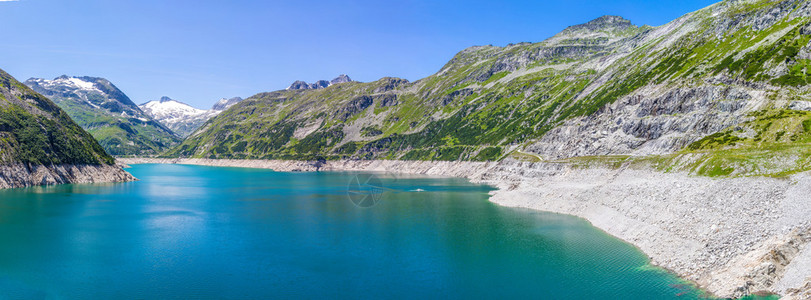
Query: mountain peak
{"points": [[225, 103], [182, 118], [602, 24], [343, 78], [299, 85], [320, 84], [610, 20], [303, 85]]}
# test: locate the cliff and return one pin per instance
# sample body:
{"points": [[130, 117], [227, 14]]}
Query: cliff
{"points": [[41, 145]]}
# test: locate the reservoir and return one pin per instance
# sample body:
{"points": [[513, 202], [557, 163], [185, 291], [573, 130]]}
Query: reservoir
{"points": [[208, 232]]}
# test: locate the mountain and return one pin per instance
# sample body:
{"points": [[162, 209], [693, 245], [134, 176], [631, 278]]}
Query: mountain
{"points": [[225, 103], [107, 113], [707, 93], [301, 85], [40, 144], [343, 78], [182, 118]]}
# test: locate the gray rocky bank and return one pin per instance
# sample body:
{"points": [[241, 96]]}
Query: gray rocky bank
{"points": [[23, 175]]}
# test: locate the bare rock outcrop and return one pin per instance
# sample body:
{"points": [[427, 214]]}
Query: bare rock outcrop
{"points": [[653, 121], [24, 175]]}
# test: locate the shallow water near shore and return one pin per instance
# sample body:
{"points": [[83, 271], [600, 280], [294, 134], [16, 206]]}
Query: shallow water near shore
{"points": [[208, 232]]}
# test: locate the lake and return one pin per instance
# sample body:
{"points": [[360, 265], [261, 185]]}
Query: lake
{"points": [[208, 232]]}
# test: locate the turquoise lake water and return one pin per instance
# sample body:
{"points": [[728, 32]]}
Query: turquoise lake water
{"points": [[206, 232]]}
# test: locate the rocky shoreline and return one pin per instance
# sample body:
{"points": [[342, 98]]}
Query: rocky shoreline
{"points": [[732, 237], [23, 175]]}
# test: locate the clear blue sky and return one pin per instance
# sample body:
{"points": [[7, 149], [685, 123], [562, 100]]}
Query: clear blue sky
{"points": [[199, 51]]}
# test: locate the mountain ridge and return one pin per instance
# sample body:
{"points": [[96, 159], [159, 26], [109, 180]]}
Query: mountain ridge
{"points": [[107, 113], [553, 98], [320, 84]]}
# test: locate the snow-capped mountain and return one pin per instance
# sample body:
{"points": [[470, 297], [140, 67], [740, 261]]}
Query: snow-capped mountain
{"points": [[302, 85], [95, 92], [182, 118], [107, 113]]}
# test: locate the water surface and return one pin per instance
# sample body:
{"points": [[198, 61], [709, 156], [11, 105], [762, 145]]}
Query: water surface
{"points": [[206, 232]]}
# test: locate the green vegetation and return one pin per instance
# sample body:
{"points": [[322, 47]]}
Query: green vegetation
{"points": [[111, 118], [488, 99], [33, 130], [774, 143], [797, 76], [371, 131], [488, 154], [753, 64]]}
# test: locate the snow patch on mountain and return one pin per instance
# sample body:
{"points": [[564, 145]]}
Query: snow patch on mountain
{"points": [[65, 82], [182, 118]]}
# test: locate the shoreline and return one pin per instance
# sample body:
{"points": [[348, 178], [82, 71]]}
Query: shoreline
{"points": [[731, 236], [22, 175]]}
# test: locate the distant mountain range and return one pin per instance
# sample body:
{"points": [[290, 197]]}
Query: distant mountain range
{"points": [[301, 85], [107, 113], [181, 118]]}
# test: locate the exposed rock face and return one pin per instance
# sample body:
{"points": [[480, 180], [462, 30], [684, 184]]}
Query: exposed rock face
{"points": [[771, 266], [41, 145], [665, 118], [225, 103], [343, 78], [654, 121], [390, 84], [299, 85], [302, 85], [604, 23], [386, 100], [456, 95], [799, 293], [320, 84], [355, 106], [23, 175]]}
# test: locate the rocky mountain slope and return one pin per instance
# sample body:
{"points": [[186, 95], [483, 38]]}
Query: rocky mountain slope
{"points": [[301, 85], [107, 113], [182, 118], [720, 91], [40, 144], [225, 103]]}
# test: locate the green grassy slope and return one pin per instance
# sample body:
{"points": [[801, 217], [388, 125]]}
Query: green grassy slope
{"points": [[489, 101], [474, 107], [34, 130], [109, 115]]}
